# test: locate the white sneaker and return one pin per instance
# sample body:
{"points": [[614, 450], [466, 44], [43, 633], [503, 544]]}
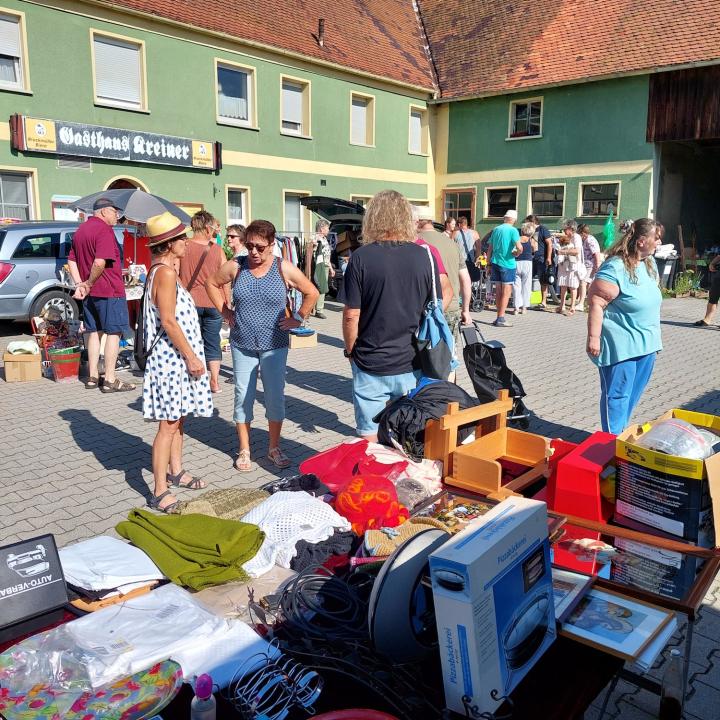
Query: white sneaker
{"points": [[580, 308]]}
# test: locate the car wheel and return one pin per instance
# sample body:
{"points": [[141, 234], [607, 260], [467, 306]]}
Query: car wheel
{"points": [[57, 299]]}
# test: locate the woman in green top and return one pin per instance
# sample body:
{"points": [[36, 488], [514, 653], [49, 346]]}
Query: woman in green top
{"points": [[624, 323]]}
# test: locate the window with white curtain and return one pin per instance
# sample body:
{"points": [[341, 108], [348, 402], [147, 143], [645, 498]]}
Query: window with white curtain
{"points": [[15, 196], [362, 120], [11, 55], [237, 206], [119, 72], [417, 142], [294, 224], [235, 95], [295, 112]]}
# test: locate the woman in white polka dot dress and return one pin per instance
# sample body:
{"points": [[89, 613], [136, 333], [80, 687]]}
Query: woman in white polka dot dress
{"points": [[175, 382]]}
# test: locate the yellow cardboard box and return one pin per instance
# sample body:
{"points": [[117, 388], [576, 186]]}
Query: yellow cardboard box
{"points": [[22, 368], [676, 495], [303, 341]]}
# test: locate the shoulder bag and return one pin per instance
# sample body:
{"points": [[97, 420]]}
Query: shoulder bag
{"points": [[140, 354]]}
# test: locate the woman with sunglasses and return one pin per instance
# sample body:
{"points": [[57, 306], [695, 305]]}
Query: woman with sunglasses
{"points": [[235, 237], [259, 332]]}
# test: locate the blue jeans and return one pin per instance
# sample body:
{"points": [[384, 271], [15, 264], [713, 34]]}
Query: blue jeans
{"points": [[210, 326], [621, 386], [272, 364], [372, 392]]}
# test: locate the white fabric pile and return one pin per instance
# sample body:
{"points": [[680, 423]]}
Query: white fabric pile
{"points": [[285, 518]]}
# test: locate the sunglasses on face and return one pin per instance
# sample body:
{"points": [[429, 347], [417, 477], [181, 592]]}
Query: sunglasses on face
{"points": [[260, 248], [232, 236]]}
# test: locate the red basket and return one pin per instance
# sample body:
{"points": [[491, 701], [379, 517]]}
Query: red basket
{"points": [[65, 364]]}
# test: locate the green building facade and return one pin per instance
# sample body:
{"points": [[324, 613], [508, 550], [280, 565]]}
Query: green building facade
{"points": [[560, 152], [283, 127]]}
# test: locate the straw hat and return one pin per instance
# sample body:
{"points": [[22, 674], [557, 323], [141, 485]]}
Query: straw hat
{"points": [[164, 227]]}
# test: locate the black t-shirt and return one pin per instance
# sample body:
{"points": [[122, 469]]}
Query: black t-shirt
{"points": [[543, 235], [390, 283]]}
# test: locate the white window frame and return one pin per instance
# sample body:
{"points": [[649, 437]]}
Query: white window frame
{"points": [[486, 204], [109, 102], [511, 117], [249, 70], [581, 185], [306, 129], [305, 219], [245, 190], [424, 130], [530, 210], [32, 186], [369, 119], [23, 65], [355, 198]]}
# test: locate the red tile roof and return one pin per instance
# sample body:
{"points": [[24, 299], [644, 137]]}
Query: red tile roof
{"points": [[380, 37], [485, 47]]}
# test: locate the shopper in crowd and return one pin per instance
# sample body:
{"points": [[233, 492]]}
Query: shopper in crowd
{"points": [[203, 258], [466, 238], [235, 236], [624, 323], [450, 224], [95, 266], [323, 268], [714, 296], [570, 257], [175, 382], [592, 258], [388, 284], [454, 264], [503, 246], [524, 269], [544, 268], [259, 332]]}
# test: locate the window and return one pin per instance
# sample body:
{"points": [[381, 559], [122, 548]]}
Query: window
{"points": [[295, 107], [459, 202], [235, 94], [525, 118], [38, 246], [15, 196], [547, 200], [360, 199], [119, 72], [499, 201], [417, 140], [237, 206], [295, 220], [599, 198], [362, 119], [13, 73]]}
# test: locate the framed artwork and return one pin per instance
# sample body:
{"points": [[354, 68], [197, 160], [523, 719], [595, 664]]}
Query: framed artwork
{"points": [[568, 589], [615, 623]]}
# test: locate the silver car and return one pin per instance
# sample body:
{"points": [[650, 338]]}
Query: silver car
{"points": [[32, 255]]}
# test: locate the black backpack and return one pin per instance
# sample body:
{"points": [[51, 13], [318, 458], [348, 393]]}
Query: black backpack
{"points": [[403, 420], [139, 352]]}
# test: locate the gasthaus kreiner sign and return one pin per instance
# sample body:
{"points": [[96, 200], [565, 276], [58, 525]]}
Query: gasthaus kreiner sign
{"points": [[59, 137]]}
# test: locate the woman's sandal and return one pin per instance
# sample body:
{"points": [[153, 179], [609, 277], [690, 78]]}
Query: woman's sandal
{"points": [[194, 484], [92, 383], [278, 458], [117, 386], [155, 500], [242, 462]]}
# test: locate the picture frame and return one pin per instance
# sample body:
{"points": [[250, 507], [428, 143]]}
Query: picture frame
{"points": [[569, 587], [615, 623]]}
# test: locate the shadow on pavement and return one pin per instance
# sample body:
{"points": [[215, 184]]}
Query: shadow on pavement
{"points": [[113, 448], [321, 382]]}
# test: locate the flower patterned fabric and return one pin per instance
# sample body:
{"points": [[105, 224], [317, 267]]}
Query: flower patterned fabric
{"points": [[140, 696]]}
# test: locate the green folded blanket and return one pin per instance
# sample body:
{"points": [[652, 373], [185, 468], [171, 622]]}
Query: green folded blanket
{"points": [[196, 551]]}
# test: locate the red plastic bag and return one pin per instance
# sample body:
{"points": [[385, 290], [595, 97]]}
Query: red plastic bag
{"points": [[337, 465], [370, 501]]}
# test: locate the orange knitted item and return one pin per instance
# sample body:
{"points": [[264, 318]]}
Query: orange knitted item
{"points": [[370, 501]]}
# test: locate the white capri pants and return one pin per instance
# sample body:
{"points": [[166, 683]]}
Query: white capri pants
{"points": [[523, 283]]}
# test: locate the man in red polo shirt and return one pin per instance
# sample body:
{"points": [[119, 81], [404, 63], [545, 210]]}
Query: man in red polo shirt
{"points": [[96, 268]]}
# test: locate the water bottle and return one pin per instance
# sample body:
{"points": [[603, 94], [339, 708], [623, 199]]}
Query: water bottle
{"points": [[203, 705], [671, 696]]}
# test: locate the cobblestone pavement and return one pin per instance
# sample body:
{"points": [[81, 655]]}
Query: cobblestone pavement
{"points": [[74, 461]]}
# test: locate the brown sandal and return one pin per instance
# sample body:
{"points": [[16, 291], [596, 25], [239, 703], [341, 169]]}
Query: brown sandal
{"points": [[117, 386]]}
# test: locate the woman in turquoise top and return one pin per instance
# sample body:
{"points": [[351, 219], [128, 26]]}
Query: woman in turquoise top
{"points": [[624, 323]]}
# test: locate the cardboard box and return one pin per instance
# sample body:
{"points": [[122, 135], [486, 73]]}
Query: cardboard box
{"points": [[670, 493], [494, 609], [302, 341], [22, 368]]}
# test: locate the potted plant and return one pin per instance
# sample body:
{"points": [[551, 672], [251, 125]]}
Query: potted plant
{"points": [[683, 284]]}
